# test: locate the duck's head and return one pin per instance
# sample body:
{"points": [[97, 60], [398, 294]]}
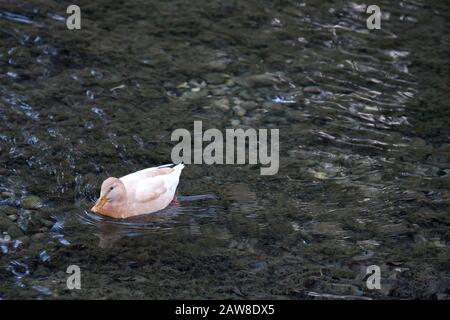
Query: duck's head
{"points": [[113, 197]]}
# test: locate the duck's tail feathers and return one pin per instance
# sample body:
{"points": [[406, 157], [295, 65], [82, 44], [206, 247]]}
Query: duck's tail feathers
{"points": [[176, 167], [179, 167], [166, 165]]}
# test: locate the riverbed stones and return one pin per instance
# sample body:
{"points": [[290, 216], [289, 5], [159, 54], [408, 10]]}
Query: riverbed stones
{"points": [[235, 122], [222, 104], [396, 229], [8, 210], [10, 227], [364, 256], [5, 223], [14, 231], [249, 105], [273, 106], [220, 64], [38, 236], [31, 202], [6, 195], [215, 78], [194, 94], [239, 111], [342, 289], [258, 266], [46, 223], [221, 90], [331, 229], [312, 90], [258, 80], [318, 174]]}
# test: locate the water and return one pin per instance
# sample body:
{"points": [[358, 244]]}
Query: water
{"points": [[364, 158]]}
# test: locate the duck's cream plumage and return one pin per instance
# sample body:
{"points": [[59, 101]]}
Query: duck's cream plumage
{"points": [[141, 192]]}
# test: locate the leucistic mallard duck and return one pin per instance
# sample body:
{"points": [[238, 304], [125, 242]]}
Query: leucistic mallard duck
{"points": [[141, 192]]}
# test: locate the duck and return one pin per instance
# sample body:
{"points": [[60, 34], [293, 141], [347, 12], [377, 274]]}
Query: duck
{"points": [[142, 192]]}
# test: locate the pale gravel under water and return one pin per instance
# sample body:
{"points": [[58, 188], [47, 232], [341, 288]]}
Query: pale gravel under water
{"points": [[364, 159]]}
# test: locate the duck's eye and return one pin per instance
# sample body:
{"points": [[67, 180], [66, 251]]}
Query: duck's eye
{"points": [[111, 188]]}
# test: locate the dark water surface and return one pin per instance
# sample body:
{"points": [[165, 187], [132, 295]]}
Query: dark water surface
{"points": [[364, 148]]}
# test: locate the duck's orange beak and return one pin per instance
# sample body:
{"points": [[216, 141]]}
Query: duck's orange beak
{"points": [[99, 204]]}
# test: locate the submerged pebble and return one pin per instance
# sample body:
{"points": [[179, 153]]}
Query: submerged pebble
{"points": [[15, 231], [6, 195], [222, 104], [13, 217], [258, 80], [215, 78], [31, 203], [235, 122], [239, 111], [312, 90], [249, 105]]}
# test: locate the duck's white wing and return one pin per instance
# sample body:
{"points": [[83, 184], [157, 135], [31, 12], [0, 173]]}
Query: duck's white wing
{"points": [[146, 173], [152, 183], [148, 189]]}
